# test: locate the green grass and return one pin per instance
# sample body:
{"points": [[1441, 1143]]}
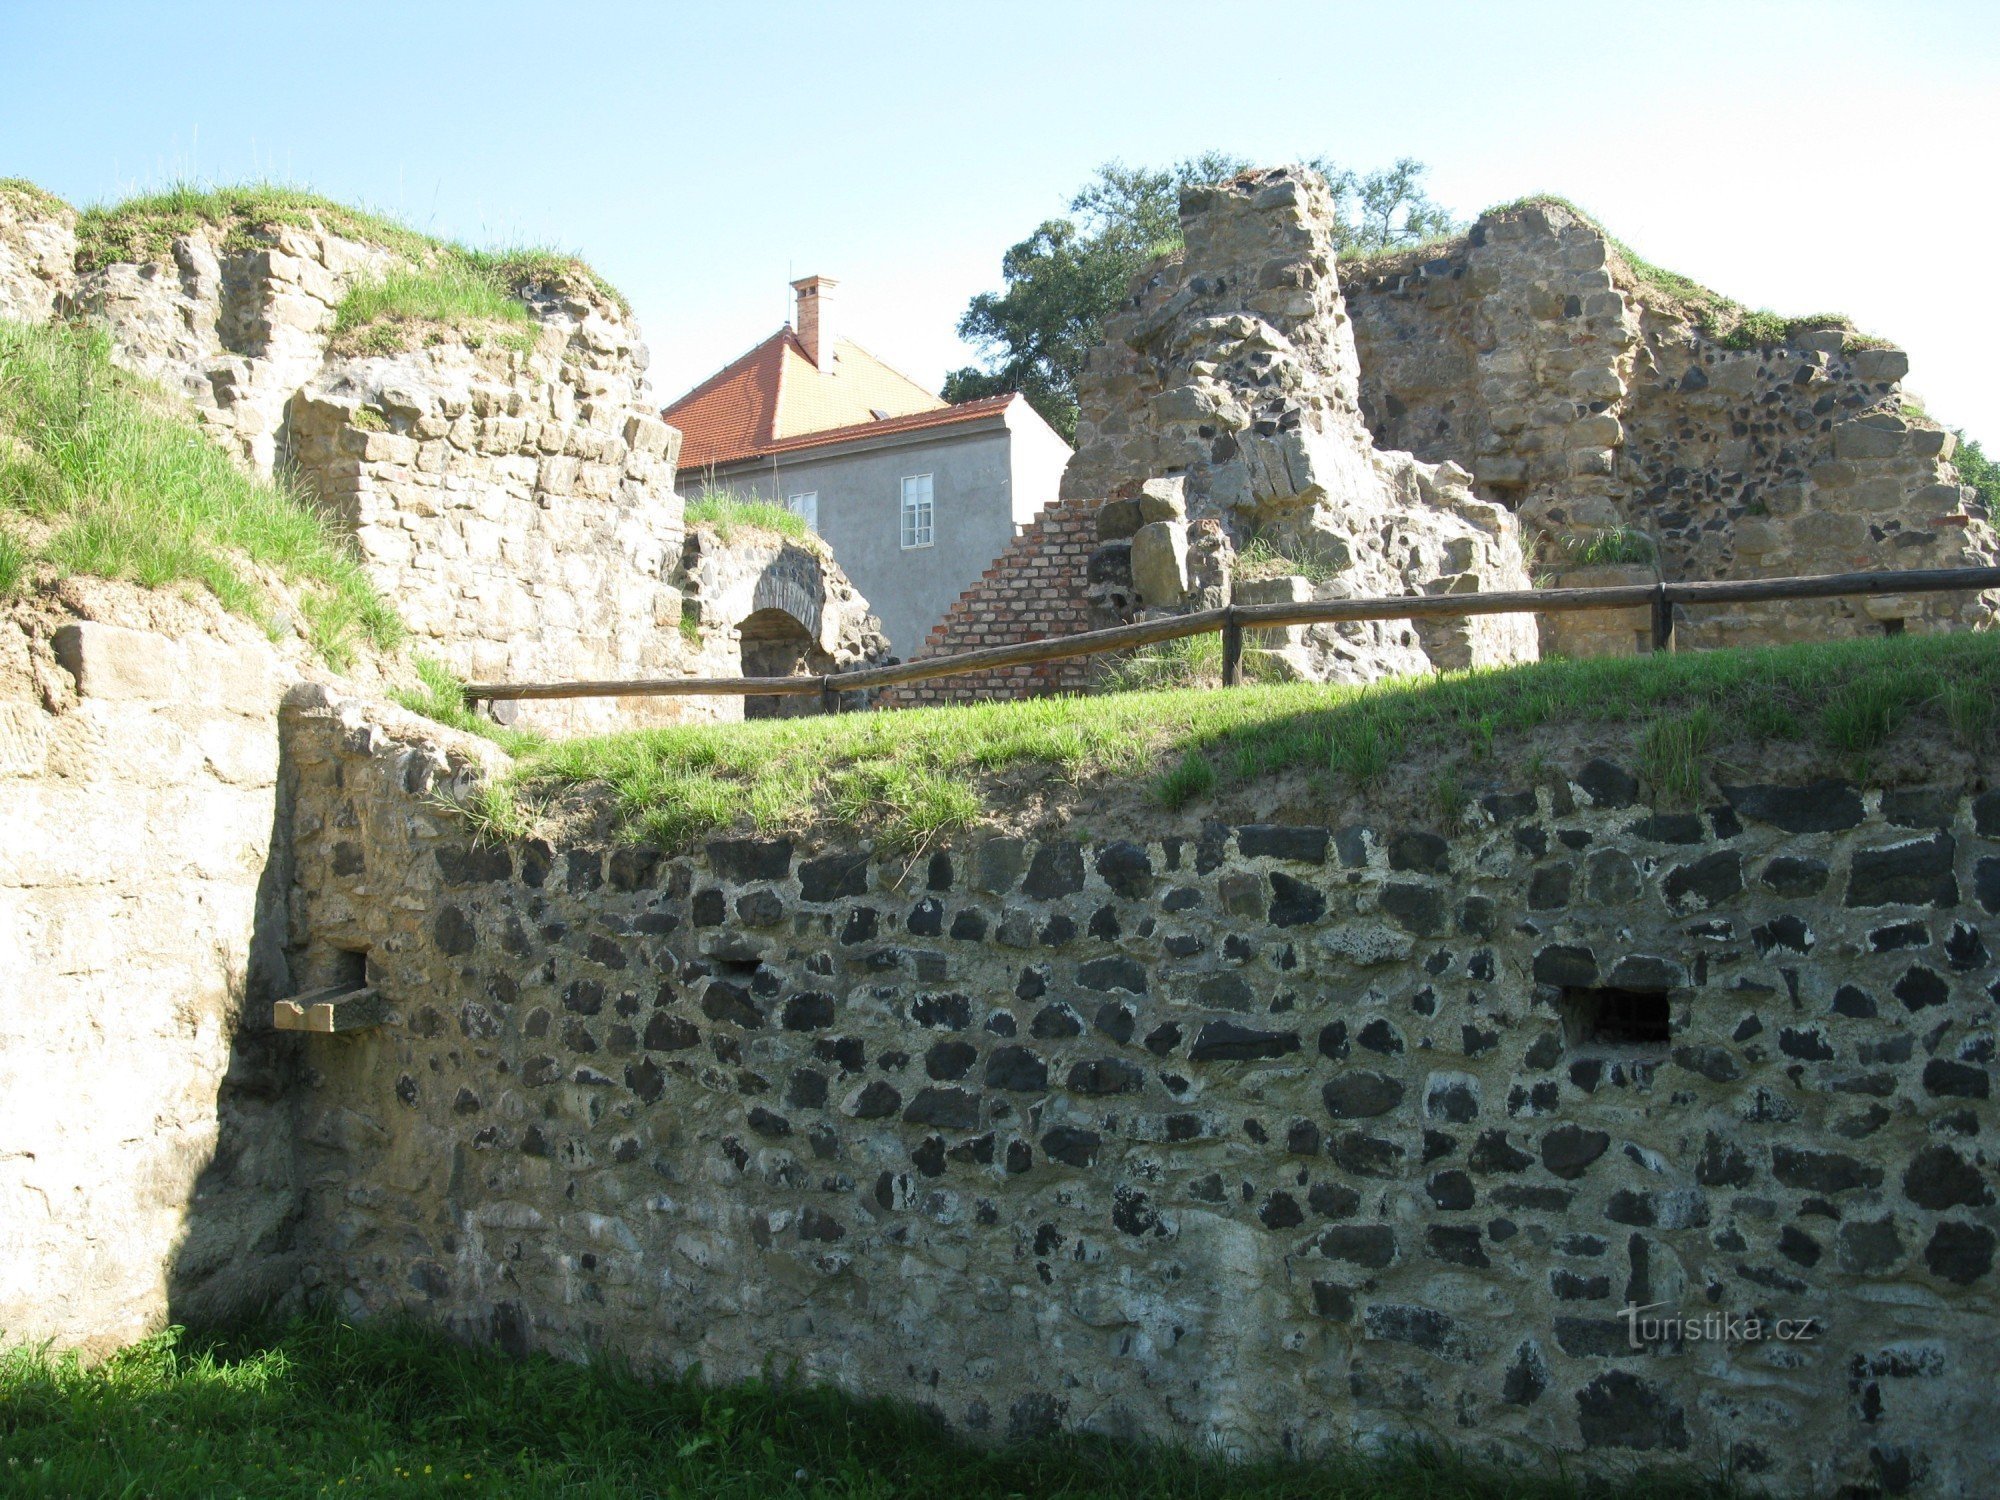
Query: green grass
{"points": [[1622, 546], [390, 313], [439, 694], [20, 190], [102, 474], [914, 776], [1265, 557], [318, 1408], [729, 515], [143, 228]]}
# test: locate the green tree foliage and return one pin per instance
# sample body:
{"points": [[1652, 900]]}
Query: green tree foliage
{"points": [[1062, 280], [1979, 471]]}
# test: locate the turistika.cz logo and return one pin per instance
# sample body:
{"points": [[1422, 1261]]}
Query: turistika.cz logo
{"points": [[1712, 1327]]}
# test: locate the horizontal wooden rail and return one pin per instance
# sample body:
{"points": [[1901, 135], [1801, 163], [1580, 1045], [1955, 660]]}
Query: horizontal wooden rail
{"points": [[1234, 619]]}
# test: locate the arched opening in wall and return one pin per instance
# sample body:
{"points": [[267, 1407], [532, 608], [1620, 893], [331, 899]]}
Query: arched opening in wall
{"points": [[775, 644]]}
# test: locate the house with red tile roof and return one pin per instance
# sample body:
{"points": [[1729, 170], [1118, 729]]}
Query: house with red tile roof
{"points": [[915, 496]]}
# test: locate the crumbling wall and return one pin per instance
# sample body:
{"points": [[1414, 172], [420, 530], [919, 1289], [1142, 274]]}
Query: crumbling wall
{"points": [[1272, 1134], [37, 253], [1232, 369], [1035, 590], [1589, 399], [235, 323], [145, 1140], [517, 507]]}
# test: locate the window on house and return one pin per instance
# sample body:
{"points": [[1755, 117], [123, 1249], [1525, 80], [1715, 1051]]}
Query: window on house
{"points": [[806, 508], [918, 527]]}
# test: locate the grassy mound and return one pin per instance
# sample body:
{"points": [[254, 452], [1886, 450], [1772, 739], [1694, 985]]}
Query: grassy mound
{"points": [[318, 1408], [412, 304], [102, 474], [914, 776], [444, 284]]}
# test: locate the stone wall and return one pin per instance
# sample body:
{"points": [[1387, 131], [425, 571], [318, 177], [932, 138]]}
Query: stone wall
{"points": [[1231, 371], [1588, 398], [1272, 1133], [37, 254], [145, 1144], [518, 508], [510, 490], [1035, 590]]}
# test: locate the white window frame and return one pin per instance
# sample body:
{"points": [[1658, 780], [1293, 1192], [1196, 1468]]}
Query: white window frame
{"points": [[805, 505], [917, 518]]}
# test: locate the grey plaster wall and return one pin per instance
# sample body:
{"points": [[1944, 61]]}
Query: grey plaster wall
{"points": [[975, 503]]}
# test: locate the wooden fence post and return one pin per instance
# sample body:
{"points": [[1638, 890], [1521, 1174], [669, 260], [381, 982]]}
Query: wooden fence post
{"points": [[1232, 648], [1663, 620]]}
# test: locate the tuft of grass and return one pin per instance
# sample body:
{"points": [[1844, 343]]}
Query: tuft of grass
{"points": [[121, 484], [1673, 754], [729, 515], [395, 310], [1189, 779], [884, 771], [440, 695], [1266, 557], [1619, 546], [318, 1407]]}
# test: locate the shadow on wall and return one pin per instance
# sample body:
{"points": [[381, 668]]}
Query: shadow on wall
{"points": [[777, 644], [238, 1253]]}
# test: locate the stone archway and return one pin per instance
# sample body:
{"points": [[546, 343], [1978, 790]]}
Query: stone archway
{"points": [[776, 644]]}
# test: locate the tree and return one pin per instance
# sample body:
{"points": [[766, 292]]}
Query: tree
{"points": [[1064, 279]]}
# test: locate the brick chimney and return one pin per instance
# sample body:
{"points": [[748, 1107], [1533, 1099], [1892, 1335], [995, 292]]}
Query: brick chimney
{"points": [[814, 322]]}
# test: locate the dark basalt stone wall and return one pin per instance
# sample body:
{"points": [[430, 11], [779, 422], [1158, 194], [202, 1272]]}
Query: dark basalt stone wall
{"points": [[1276, 1135]]}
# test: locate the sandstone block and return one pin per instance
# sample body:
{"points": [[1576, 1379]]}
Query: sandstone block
{"points": [[110, 661], [1879, 364], [1159, 563]]}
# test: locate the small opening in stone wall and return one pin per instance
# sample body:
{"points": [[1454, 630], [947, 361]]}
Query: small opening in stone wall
{"points": [[1630, 1021], [348, 968], [1892, 627]]}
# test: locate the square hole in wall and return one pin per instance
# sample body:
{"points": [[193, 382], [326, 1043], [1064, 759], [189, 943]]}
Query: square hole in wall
{"points": [[1615, 1020], [348, 968]]}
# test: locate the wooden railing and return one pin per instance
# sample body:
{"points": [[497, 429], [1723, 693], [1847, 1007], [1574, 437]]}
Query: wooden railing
{"points": [[1232, 621]]}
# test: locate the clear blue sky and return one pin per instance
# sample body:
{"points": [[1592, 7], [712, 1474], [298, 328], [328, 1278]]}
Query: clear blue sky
{"points": [[1806, 157]]}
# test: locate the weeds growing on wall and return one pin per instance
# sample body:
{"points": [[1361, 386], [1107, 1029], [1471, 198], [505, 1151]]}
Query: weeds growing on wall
{"points": [[439, 694], [102, 474], [914, 776], [319, 1408]]}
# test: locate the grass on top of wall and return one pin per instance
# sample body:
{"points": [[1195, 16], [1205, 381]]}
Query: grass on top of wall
{"points": [[403, 306], [913, 776], [143, 228], [101, 473], [730, 515], [319, 1408]]}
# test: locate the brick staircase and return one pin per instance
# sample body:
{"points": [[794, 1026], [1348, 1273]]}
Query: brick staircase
{"points": [[1033, 591]]}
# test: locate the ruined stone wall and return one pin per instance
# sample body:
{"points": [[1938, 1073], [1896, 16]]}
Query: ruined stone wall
{"points": [[1531, 352], [1035, 590], [1232, 370], [1273, 1134], [518, 508], [37, 255], [145, 1144], [236, 325]]}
